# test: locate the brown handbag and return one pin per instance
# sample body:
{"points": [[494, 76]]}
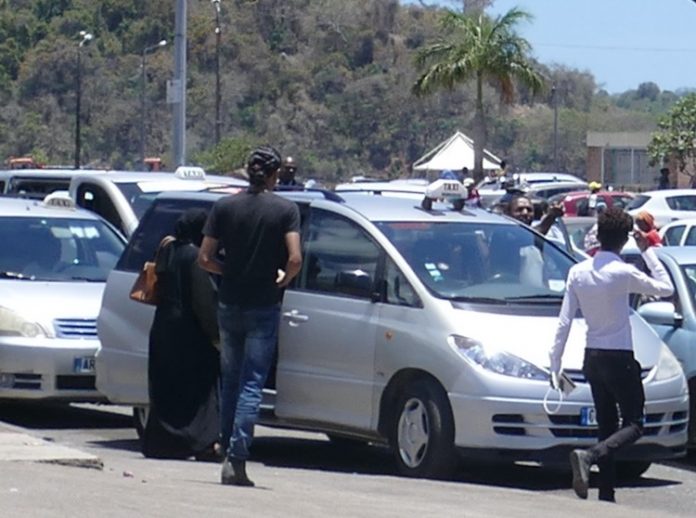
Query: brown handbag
{"points": [[144, 288]]}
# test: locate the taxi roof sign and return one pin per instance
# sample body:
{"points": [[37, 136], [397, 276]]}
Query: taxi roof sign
{"points": [[444, 189], [59, 199], [188, 172]]}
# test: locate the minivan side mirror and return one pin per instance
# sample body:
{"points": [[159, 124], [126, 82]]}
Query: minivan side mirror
{"points": [[661, 313]]}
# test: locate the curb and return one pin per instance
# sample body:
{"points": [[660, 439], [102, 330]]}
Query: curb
{"points": [[16, 445]]}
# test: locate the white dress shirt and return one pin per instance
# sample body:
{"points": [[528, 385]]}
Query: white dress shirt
{"points": [[600, 286]]}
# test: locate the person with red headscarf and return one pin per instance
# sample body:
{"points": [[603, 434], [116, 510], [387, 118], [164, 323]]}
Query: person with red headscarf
{"points": [[646, 224]]}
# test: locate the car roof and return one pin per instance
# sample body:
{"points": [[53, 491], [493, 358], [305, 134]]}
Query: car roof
{"points": [[49, 173], [666, 193], [24, 207], [681, 221], [549, 176], [372, 207], [680, 254], [137, 176]]}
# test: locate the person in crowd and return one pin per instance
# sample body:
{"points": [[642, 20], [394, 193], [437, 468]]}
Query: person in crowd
{"points": [[473, 198], [646, 224], [520, 208], [286, 178], [465, 174], [259, 233], [183, 366], [593, 198], [663, 180], [590, 241], [599, 287]]}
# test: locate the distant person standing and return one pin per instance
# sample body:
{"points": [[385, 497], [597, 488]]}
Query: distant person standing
{"points": [[599, 287], [593, 198], [260, 234], [286, 178], [663, 181]]}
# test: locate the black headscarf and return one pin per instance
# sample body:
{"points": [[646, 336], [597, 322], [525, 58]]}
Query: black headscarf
{"points": [[189, 226]]}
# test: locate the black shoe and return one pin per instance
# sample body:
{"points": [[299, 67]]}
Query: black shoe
{"points": [[234, 474], [607, 497], [580, 463]]}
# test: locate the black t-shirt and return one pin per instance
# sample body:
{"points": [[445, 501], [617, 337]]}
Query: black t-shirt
{"points": [[251, 228]]}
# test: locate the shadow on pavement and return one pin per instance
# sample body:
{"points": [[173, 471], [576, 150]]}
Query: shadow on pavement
{"points": [[118, 444], [374, 460], [43, 416]]}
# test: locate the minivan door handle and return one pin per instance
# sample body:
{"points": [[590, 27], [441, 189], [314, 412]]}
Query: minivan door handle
{"points": [[294, 317]]}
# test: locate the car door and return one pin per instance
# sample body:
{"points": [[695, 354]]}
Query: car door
{"points": [[673, 235], [327, 334]]}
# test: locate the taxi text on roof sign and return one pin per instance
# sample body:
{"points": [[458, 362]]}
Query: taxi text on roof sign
{"points": [[190, 172], [59, 199]]}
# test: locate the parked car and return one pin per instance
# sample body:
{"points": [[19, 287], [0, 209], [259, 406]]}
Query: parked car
{"points": [[578, 227], [666, 206], [577, 203], [38, 183], [674, 318], [543, 185], [428, 330], [54, 261], [679, 233], [121, 198]]}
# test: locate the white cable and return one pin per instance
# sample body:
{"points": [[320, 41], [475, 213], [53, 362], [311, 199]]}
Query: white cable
{"points": [[547, 409]]}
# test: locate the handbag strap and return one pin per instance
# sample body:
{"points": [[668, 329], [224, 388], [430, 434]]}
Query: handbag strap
{"points": [[166, 240]]}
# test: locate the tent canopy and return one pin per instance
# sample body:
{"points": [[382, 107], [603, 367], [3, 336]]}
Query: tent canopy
{"points": [[454, 154]]}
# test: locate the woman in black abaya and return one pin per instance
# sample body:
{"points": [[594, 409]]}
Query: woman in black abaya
{"points": [[184, 363]]}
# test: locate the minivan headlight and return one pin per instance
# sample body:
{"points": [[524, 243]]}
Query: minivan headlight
{"points": [[13, 324], [667, 365], [500, 362]]}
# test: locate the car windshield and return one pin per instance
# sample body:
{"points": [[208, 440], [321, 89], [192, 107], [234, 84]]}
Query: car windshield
{"points": [[497, 263], [139, 201], [57, 249]]}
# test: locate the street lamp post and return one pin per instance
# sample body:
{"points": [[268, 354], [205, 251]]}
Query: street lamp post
{"points": [[143, 104], [84, 38], [218, 34]]}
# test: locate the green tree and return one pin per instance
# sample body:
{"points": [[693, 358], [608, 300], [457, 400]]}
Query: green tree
{"points": [[483, 49], [676, 136]]}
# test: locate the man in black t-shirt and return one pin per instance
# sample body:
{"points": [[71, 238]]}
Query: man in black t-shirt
{"points": [[260, 235]]}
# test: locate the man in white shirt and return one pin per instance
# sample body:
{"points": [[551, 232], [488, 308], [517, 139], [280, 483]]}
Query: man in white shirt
{"points": [[600, 287]]}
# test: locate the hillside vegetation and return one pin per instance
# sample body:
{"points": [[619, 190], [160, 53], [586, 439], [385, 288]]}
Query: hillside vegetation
{"points": [[328, 81]]}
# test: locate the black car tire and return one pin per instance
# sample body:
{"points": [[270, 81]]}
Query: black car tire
{"points": [[140, 414]]}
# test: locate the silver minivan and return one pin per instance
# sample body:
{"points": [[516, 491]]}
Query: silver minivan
{"points": [[427, 330]]}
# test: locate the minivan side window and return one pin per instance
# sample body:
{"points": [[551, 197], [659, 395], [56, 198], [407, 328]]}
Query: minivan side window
{"points": [[95, 198], [157, 222], [339, 257]]}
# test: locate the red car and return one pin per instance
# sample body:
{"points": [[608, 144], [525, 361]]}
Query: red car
{"points": [[576, 203]]}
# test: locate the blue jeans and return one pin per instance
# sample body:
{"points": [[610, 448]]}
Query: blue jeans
{"points": [[249, 338]]}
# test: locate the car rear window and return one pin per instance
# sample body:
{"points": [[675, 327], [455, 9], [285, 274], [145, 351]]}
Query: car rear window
{"points": [[157, 222], [681, 202], [638, 202]]}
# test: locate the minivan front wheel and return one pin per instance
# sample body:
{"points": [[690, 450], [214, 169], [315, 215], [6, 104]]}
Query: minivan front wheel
{"points": [[423, 432], [140, 414]]}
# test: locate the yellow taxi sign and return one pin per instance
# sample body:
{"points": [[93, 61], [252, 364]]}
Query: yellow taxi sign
{"points": [[59, 199], [188, 172]]}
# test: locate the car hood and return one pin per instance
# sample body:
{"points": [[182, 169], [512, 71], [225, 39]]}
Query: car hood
{"points": [[45, 301], [531, 338]]}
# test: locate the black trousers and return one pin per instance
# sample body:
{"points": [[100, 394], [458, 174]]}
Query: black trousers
{"points": [[614, 378]]}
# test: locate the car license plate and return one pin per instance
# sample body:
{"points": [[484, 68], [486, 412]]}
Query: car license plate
{"points": [[83, 365], [588, 416]]}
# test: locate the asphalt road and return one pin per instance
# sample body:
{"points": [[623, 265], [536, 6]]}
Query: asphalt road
{"points": [[297, 474]]}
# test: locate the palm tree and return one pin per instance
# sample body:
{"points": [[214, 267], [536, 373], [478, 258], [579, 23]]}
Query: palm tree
{"points": [[485, 49]]}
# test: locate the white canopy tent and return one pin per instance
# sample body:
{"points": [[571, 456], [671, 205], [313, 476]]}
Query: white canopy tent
{"points": [[454, 154]]}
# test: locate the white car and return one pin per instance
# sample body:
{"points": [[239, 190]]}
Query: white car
{"points": [[54, 261], [666, 205], [121, 198], [679, 233], [424, 328], [543, 185]]}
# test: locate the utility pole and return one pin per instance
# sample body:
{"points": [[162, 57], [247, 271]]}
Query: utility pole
{"points": [[176, 91], [218, 34], [554, 94], [86, 36]]}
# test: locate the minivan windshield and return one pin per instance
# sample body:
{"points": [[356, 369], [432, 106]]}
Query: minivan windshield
{"points": [[482, 262], [137, 199], [57, 249]]}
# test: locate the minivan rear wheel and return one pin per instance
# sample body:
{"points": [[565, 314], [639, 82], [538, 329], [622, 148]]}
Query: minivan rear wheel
{"points": [[140, 414], [422, 435]]}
